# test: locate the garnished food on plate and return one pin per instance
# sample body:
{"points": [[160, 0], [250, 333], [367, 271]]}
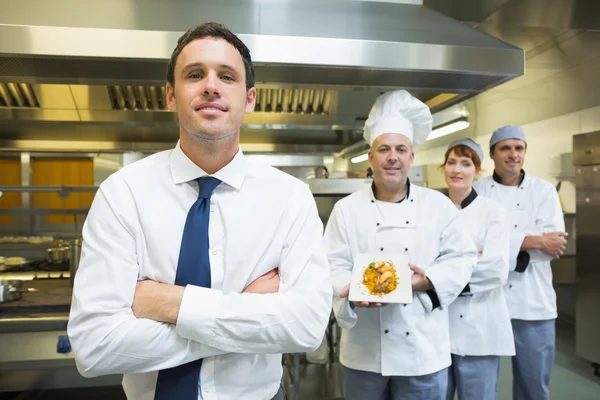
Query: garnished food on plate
{"points": [[380, 278]]}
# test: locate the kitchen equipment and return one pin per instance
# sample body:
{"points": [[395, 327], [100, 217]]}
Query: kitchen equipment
{"points": [[75, 253], [12, 289], [58, 255]]}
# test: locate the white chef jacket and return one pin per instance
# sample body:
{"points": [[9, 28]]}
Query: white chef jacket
{"points": [[397, 339], [260, 218], [479, 320], [534, 209]]}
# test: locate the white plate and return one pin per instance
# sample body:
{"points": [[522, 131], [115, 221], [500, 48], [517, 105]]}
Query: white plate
{"points": [[403, 292]]}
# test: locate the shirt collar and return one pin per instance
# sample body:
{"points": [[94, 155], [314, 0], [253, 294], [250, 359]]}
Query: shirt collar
{"points": [[469, 199], [497, 178], [184, 170], [374, 191]]}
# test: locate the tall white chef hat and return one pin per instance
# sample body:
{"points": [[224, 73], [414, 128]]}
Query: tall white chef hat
{"points": [[401, 113]]}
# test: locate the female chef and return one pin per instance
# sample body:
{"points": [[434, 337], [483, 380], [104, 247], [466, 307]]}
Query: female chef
{"points": [[480, 328]]}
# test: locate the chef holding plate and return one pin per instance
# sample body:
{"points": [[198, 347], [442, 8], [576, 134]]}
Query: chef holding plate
{"points": [[395, 337]]}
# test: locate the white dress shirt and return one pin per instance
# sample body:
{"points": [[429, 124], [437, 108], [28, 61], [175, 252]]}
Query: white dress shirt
{"points": [[398, 339], [479, 320], [534, 209], [260, 219]]}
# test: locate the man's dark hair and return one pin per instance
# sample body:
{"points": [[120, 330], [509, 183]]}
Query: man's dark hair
{"points": [[212, 30]]}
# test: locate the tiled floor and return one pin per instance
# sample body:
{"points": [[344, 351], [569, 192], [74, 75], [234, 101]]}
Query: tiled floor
{"points": [[572, 379]]}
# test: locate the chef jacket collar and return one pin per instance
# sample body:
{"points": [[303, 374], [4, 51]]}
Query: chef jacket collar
{"points": [[374, 191], [497, 178], [469, 199]]}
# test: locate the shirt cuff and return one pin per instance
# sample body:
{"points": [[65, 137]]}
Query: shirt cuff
{"points": [[522, 261], [197, 314]]}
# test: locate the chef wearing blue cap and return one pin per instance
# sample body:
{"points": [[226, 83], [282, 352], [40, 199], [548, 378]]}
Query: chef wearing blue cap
{"points": [[480, 329], [399, 351], [537, 237]]}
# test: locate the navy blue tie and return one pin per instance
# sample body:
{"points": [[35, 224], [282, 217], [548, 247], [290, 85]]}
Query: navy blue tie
{"points": [[193, 268]]}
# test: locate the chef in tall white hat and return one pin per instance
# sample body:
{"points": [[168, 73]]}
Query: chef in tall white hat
{"points": [[397, 351]]}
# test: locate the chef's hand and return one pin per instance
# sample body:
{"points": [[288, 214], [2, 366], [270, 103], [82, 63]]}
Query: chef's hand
{"points": [[554, 244], [360, 304], [157, 301], [419, 281], [267, 283]]}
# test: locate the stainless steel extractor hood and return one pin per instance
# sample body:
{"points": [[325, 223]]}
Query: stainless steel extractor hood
{"points": [[319, 65], [307, 42]]}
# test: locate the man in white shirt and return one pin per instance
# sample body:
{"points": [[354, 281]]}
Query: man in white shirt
{"points": [[537, 237], [242, 242], [399, 351]]}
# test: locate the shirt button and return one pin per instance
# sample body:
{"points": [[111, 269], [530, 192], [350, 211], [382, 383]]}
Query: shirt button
{"points": [[386, 331], [214, 253], [411, 200], [405, 305], [518, 204], [372, 201], [509, 286], [406, 249], [515, 226], [461, 316], [407, 222], [378, 224], [382, 249], [407, 333]]}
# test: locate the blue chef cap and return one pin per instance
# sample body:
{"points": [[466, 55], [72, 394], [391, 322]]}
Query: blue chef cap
{"points": [[470, 143], [507, 132]]}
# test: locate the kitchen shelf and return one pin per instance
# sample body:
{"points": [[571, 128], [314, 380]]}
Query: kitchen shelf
{"points": [[44, 211], [59, 189]]}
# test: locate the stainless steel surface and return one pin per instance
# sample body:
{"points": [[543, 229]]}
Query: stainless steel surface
{"points": [[586, 149], [44, 211], [58, 254], [74, 255], [523, 23], [25, 222], [79, 146], [571, 229], [33, 323], [319, 68], [11, 289], [333, 187], [588, 252], [294, 41], [38, 189]]}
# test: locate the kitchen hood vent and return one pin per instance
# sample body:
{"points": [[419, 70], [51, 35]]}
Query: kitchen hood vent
{"points": [[277, 100], [138, 98], [295, 101], [17, 95]]}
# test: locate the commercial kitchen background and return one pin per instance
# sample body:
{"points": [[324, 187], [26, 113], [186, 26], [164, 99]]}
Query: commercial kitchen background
{"points": [[82, 94]]}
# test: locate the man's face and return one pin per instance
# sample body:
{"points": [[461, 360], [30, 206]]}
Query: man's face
{"points": [[390, 157], [210, 95], [509, 156]]}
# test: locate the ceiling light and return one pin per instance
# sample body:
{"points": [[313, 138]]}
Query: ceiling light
{"points": [[361, 158], [449, 128]]}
